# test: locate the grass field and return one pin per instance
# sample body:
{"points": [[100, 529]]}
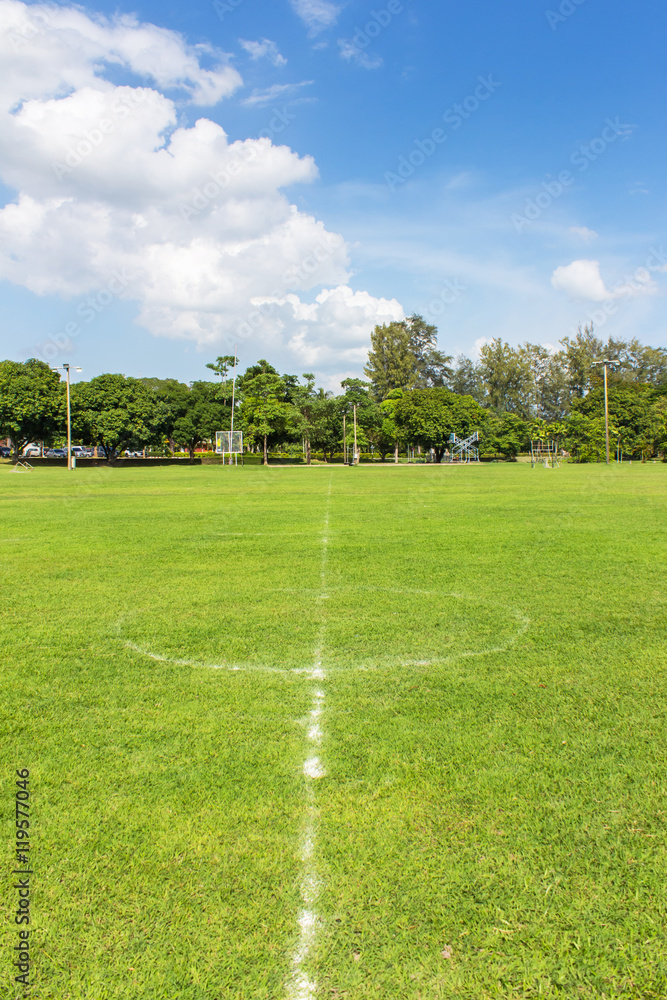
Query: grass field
{"points": [[338, 733]]}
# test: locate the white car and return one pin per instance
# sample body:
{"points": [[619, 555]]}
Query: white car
{"points": [[32, 451]]}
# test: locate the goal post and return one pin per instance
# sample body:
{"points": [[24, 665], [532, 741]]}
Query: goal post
{"points": [[229, 443]]}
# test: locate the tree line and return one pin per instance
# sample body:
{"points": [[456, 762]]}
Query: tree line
{"points": [[413, 395]]}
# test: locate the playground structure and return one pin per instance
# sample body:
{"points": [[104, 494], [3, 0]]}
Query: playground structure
{"points": [[544, 453], [463, 449]]}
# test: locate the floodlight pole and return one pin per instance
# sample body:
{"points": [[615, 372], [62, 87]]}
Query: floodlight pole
{"points": [[354, 407], [231, 441], [606, 362], [344, 443], [66, 369]]}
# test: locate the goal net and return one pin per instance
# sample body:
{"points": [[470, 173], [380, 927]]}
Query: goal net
{"points": [[229, 442]]}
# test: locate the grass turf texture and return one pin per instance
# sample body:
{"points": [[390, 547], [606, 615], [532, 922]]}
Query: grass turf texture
{"points": [[492, 820]]}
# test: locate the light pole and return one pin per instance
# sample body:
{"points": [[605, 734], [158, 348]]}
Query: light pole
{"points": [[606, 363], [66, 369], [231, 442], [355, 434]]}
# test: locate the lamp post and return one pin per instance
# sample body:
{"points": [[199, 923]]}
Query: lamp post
{"points": [[231, 441], [355, 434], [66, 369], [606, 363]]}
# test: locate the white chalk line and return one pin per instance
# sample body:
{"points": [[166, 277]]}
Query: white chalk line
{"points": [[300, 986], [382, 662]]}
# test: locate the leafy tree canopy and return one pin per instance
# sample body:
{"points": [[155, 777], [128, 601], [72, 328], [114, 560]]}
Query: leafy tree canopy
{"points": [[428, 417], [404, 355], [32, 402], [114, 412]]}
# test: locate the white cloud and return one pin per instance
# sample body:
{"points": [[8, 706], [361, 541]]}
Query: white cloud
{"points": [[583, 233], [192, 227], [582, 280], [335, 328], [264, 49], [276, 92], [46, 48], [352, 53], [317, 14], [479, 344]]}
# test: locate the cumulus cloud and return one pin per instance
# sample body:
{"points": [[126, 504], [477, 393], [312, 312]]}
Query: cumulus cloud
{"points": [[264, 49], [582, 280], [111, 186], [317, 14], [47, 48], [334, 329]]}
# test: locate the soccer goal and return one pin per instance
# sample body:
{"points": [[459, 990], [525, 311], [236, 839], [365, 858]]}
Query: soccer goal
{"points": [[229, 443], [544, 453]]}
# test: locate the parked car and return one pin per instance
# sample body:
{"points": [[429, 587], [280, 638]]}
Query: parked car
{"points": [[80, 452], [134, 454], [32, 451], [56, 453], [5, 452]]}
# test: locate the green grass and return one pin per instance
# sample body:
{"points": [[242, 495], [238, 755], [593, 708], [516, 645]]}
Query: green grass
{"points": [[492, 819]]}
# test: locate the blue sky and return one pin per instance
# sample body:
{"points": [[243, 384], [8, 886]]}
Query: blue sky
{"points": [[497, 168]]}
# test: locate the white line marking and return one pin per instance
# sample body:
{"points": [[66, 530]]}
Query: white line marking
{"points": [[300, 987]]}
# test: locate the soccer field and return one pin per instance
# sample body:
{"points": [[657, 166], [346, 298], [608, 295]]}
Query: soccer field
{"points": [[357, 733]]}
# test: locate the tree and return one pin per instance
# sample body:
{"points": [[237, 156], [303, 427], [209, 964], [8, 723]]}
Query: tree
{"points": [[391, 363], [432, 367], [550, 391], [221, 367], [580, 353], [114, 412], [32, 403], [170, 401], [636, 416], [466, 380], [429, 417], [369, 418], [404, 355], [205, 414], [265, 410], [306, 399], [646, 365], [507, 378], [390, 432], [326, 424], [505, 434]]}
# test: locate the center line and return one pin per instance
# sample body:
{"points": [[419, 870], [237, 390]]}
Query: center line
{"points": [[301, 987]]}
